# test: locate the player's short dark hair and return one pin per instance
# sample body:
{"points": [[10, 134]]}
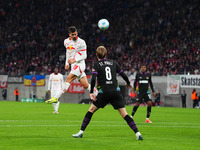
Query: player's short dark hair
{"points": [[143, 65], [101, 52], [72, 29]]}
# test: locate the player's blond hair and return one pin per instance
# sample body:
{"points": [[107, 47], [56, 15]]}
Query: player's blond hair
{"points": [[101, 52]]}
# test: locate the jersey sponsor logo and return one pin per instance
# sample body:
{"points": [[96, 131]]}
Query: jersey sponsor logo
{"points": [[70, 48], [55, 79], [109, 82], [143, 81]]}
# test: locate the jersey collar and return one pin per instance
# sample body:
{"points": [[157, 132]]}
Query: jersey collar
{"points": [[102, 59], [143, 73]]}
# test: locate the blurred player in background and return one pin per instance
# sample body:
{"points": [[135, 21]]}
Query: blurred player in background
{"points": [[109, 92], [4, 94], [75, 55], [144, 80], [55, 85], [183, 97], [157, 98]]}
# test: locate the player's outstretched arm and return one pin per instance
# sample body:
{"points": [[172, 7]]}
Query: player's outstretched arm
{"points": [[93, 81], [66, 62], [124, 76]]}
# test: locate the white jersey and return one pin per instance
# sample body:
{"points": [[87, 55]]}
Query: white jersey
{"points": [[75, 49], [55, 82]]}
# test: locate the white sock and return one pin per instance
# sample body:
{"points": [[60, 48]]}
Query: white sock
{"points": [[138, 134], [54, 106], [57, 106], [63, 90], [80, 132]]}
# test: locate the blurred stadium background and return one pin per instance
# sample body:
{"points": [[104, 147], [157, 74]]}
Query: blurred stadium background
{"points": [[162, 34]]}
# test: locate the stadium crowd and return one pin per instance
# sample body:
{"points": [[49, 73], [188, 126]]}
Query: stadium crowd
{"points": [[162, 34]]}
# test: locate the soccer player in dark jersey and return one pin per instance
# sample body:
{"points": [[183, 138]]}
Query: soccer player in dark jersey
{"points": [[109, 92], [144, 81]]}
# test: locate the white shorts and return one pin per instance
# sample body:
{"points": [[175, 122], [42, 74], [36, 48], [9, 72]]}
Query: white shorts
{"points": [[78, 70], [54, 92]]}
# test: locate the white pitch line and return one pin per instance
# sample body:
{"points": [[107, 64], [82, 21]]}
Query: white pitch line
{"points": [[98, 125], [154, 123]]}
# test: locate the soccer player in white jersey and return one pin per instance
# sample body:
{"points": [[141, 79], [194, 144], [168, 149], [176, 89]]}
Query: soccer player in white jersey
{"points": [[75, 55], [54, 86]]}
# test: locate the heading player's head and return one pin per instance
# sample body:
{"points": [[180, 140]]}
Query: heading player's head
{"points": [[56, 70], [101, 52], [73, 34], [143, 68]]}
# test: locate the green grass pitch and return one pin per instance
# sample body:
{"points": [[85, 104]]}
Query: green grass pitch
{"points": [[33, 126]]}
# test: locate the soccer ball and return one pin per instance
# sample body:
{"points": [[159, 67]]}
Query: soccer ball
{"points": [[103, 24]]}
